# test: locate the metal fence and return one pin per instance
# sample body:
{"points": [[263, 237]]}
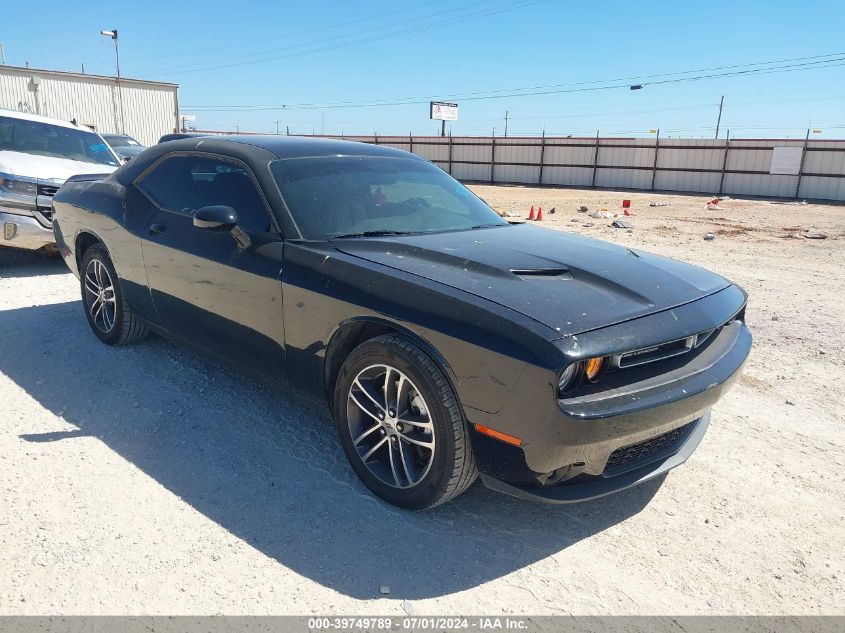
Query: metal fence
{"points": [[735, 166]]}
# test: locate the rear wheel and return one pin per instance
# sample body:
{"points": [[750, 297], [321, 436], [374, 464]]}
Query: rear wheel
{"points": [[110, 317], [400, 424]]}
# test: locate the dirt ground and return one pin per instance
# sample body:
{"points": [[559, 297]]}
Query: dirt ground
{"points": [[147, 480]]}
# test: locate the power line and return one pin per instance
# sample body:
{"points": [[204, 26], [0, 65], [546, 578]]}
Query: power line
{"points": [[645, 77], [491, 93], [208, 63], [675, 108], [527, 92], [200, 67], [318, 29]]}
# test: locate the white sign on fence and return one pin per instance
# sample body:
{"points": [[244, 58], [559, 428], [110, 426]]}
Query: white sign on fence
{"points": [[786, 161], [442, 111]]}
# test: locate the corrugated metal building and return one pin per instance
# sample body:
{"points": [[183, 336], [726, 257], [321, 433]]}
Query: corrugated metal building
{"points": [[142, 109]]}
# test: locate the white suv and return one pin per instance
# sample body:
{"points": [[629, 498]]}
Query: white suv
{"points": [[37, 154]]}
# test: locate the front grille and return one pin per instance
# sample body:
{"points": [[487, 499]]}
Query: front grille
{"points": [[44, 204], [630, 457], [653, 353]]}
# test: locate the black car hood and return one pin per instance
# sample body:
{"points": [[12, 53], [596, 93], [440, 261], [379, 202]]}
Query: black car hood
{"points": [[570, 283]]}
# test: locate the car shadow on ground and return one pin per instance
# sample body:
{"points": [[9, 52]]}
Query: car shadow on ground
{"points": [[18, 263], [270, 471]]}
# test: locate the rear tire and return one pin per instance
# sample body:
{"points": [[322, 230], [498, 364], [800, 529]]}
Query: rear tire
{"points": [[413, 448], [109, 315]]}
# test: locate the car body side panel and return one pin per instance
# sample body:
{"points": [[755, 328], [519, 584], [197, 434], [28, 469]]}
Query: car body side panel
{"points": [[100, 208], [218, 297], [484, 349]]}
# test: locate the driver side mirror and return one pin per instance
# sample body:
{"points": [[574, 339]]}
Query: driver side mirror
{"points": [[220, 218], [216, 218]]}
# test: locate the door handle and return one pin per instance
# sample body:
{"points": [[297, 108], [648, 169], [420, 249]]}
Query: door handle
{"points": [[157, 229]]}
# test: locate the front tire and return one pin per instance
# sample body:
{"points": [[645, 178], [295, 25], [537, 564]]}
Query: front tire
{"points": [[109, 315], [400, 424]]}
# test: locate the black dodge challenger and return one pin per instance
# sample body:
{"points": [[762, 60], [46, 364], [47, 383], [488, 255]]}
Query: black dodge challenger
{"points": [[446, 341]]}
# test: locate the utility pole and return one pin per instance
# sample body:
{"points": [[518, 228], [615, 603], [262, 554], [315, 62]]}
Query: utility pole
{"points": [[719, 120], [506, 122], [803, 155], [277, 127], [113, 35]]}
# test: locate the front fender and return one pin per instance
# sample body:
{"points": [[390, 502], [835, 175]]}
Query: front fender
{"points": [[483, 347]]}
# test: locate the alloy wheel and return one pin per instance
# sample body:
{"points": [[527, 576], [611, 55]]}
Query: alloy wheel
{"points": [[99, 296], [390, 426]]}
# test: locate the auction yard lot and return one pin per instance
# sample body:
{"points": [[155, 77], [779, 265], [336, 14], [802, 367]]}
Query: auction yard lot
{"points": [[147, 480]]}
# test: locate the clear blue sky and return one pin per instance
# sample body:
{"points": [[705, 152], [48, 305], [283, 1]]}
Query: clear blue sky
{"points": [[330, 51]]}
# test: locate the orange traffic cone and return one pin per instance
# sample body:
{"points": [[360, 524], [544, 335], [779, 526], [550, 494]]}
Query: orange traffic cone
{"points": [[540, 214], [531, 215]]}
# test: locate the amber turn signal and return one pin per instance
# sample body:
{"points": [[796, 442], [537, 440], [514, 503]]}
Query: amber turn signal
{"points": [[593, 367], [503, 437]]}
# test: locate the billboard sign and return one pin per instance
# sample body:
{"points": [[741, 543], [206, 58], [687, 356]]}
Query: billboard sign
{"points": [[442, 111]]}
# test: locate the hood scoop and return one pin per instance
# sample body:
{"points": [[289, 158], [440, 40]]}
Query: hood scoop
{"points": [[542, 273]]}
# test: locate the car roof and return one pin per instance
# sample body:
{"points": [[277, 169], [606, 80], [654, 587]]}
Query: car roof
{"points": [[28, 116], [283, 146], [178, 136]]}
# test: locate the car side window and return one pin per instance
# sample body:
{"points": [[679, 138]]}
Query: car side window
{"points": [[158, 184], [205, 181], [186, 183]]}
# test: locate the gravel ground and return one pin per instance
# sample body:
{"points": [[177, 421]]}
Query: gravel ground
{"points": [[147, 480]]}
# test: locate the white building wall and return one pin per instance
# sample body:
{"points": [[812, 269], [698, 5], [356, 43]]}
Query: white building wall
{"points": [[150, 109], [690, 165]]}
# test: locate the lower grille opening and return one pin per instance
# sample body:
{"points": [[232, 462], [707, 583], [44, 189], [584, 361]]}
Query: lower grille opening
{"points": [[44, 217], [643, 453]]}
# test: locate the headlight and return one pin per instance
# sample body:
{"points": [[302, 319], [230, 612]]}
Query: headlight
{"points": [[568, 377], [574, 373], [10, 184]]}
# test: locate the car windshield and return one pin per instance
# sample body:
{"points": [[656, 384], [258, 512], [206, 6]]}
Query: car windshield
{"points": [[120, 141], [350, 196], [44, 139]]}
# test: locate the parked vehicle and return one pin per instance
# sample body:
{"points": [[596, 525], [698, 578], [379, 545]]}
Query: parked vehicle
{"points": [[444, 340], [37, 154], [124, 145]]}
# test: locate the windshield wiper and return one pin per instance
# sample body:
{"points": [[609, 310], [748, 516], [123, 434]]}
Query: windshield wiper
{"points": [[368, 234]]}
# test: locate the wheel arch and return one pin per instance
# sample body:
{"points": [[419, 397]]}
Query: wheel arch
{"points": [[84, 240], [350, 333]]}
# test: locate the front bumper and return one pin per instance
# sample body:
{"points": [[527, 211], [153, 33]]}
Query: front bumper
{"points": [[594, 487], [24, 231], [570, 450]]}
